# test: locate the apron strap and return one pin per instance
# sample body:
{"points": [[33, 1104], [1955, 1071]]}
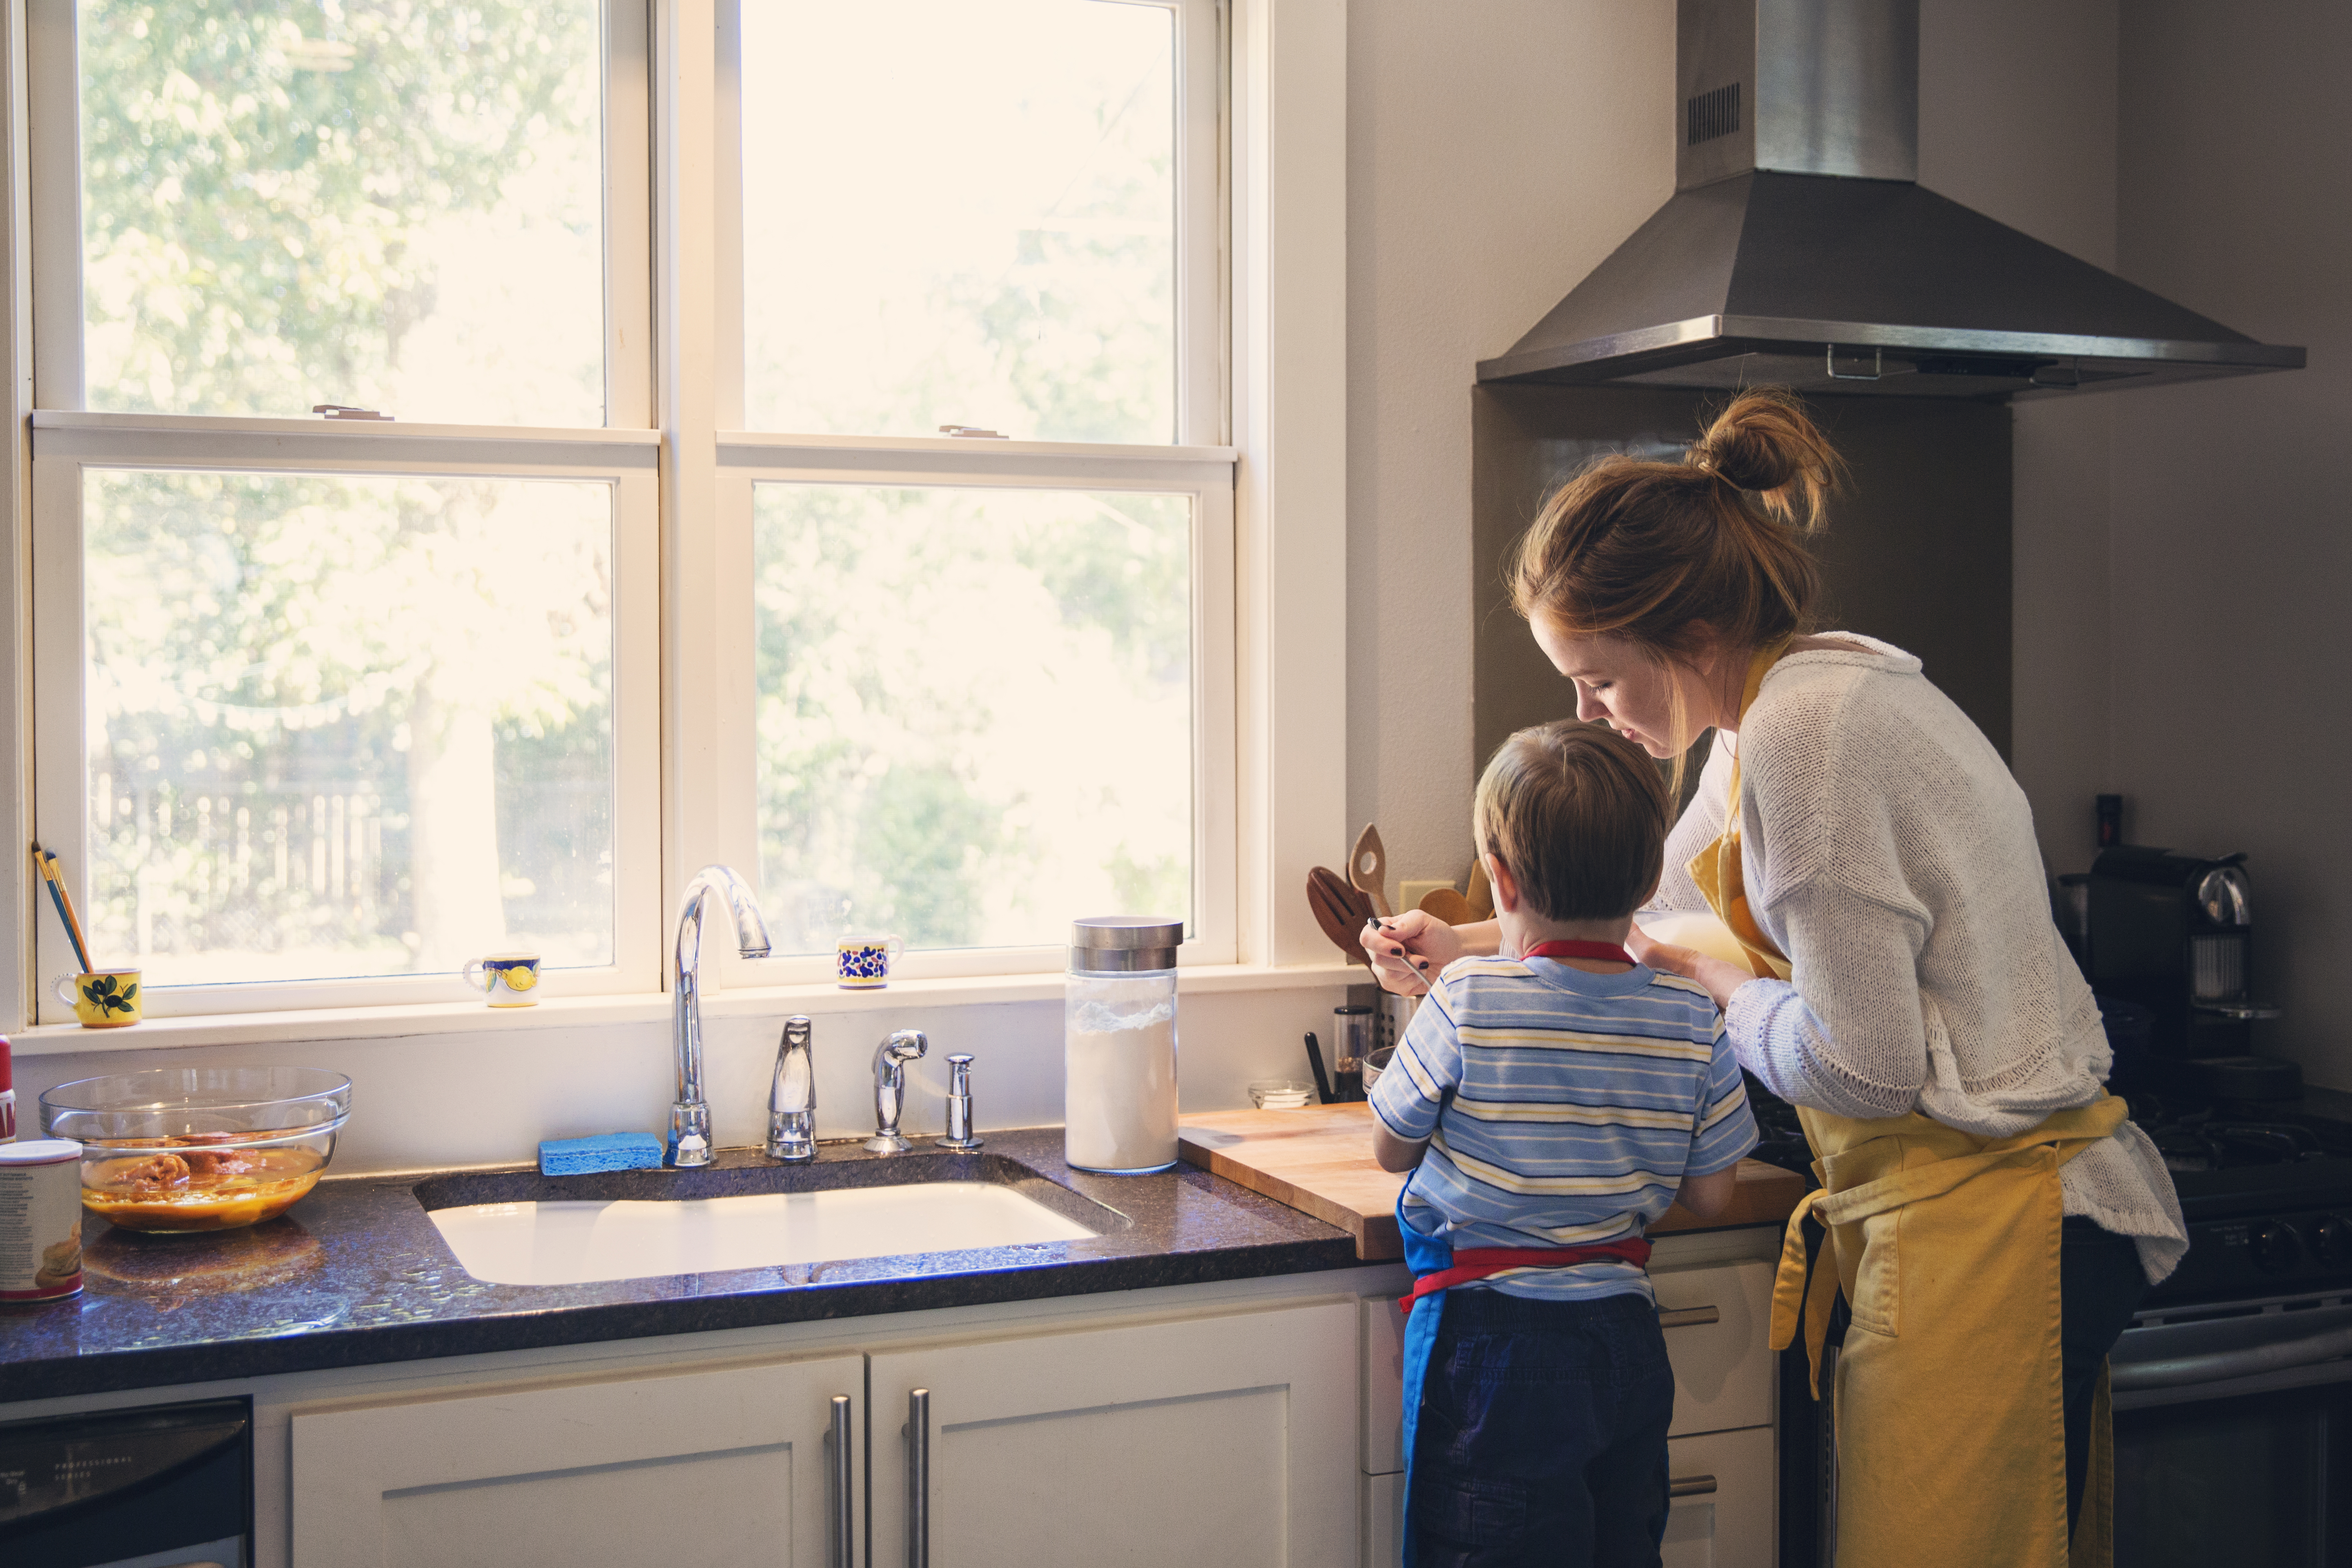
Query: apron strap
{"points": [[1801, 1295], [1479, 1262]]}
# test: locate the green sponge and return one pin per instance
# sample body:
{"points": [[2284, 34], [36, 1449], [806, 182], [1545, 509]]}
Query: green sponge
{"points": [[604, 1151]]}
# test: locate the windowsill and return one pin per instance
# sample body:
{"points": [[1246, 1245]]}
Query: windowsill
{"points": [[604, 1012]]}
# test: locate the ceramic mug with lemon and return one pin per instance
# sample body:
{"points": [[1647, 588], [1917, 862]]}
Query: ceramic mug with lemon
{"points": [[102, 998], [505, 979]]}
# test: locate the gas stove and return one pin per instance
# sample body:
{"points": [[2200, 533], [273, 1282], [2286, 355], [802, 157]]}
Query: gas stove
{"points": [[2267, 1192]]}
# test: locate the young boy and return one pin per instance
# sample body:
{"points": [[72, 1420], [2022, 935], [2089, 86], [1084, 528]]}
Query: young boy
{"points": [[1550, 1102]]}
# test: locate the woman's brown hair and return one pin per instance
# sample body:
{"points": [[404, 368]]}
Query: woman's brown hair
{"points": [[1579, 815], [1645, 551]]}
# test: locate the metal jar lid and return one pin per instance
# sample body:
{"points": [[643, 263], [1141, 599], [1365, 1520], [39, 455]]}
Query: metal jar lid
{"points": [[1118, 944]]}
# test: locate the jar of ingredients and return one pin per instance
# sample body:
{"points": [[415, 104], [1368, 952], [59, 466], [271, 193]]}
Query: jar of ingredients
{"points": [[1118, 1045], [40, 1220]]}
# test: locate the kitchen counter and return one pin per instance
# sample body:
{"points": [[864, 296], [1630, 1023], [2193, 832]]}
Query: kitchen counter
{"points": [[357, 1274], [1320, 1161]]}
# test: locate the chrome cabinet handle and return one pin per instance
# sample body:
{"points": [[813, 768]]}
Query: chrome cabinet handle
{"points": [[840, 1483], [1690, 1486], [1689, 1317], [918, 1478]]}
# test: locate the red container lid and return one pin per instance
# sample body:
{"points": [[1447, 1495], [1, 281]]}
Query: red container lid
{"points": [[8, 1074]]}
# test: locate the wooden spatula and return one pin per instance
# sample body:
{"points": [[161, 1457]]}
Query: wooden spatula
{"points": [[1445, 904], [1481, 892], [1367, 869], [1340, 910]]}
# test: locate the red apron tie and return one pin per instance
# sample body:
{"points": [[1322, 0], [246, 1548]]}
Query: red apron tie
{"points": [[1479, 1262]]}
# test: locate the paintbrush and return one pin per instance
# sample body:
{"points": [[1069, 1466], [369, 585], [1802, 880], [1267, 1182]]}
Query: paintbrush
{"points": [[46, 864]]}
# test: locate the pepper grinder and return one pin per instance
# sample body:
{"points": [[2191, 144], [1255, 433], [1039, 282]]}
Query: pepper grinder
{"points": [[959, 1134]]}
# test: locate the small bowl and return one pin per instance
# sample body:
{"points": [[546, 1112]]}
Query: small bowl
{"points": [[1376, 1063], [178, 1149], [1282, 1094]]}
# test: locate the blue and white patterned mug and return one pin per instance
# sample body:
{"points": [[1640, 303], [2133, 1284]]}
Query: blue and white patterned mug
{"points": [[863, 962]]}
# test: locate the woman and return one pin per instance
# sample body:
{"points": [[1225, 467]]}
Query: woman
{"points": [[1993, 1218]]}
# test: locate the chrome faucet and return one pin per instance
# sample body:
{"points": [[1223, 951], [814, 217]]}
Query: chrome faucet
{"points": [[890, 1059], [792, 1098], [689, 1115]]}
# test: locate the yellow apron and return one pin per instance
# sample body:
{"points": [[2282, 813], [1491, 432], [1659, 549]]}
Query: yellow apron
{"points": [[1948, 1383]]}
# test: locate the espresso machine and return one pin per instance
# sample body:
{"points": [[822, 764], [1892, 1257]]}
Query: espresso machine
{"points": [[2174, 933]]}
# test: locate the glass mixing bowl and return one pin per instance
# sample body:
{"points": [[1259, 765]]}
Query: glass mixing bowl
{"points": [[199, 1148]]}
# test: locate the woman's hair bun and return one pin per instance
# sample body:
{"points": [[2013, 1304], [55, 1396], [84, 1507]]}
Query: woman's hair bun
{"points": [[1767, 444]]}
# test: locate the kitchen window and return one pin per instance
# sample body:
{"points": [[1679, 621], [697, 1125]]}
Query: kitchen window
{"points": [[660, 552]]}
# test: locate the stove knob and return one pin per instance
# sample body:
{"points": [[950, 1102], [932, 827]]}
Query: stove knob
{"points": [[2333, 1241], [2277, 1248]]}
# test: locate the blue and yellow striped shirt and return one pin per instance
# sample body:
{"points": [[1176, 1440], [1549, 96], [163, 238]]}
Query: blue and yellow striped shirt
{"points": [[1562, 1109]]}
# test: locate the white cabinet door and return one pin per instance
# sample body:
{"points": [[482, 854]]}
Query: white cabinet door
{"points": [[1228, 1441], [1727, 1513], [726, 1467], [1383, 1525]]}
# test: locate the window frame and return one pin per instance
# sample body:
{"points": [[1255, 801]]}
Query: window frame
{"points": [[1198, 463], [671, 90], [1204, 474], [68, 444]]}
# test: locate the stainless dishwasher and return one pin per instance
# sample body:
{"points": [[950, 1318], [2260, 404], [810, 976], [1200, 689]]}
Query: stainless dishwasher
{"points": [[148, 1487]]}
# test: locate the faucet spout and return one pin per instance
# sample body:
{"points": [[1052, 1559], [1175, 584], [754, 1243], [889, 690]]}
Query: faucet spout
{"points": [[689, 1114], [890, 1059]]}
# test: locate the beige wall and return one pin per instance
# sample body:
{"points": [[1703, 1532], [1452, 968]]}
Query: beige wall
{"points": [[2232, 533], [1497, 151]]}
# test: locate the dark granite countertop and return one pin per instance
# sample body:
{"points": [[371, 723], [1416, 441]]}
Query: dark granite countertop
{"points": [[356, 1274]]}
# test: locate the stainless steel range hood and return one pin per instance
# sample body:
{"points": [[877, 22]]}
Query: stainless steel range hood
{"points": [[1799, 248]]}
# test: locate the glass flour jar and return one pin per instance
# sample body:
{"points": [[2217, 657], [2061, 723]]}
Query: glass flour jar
{"points": [[1118, 1045]]}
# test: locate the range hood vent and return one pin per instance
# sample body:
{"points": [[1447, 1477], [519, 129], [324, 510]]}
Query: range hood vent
{"points": [[1800, 250]]}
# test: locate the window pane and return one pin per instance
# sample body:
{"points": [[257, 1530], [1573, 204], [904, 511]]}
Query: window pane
{"points": [[347, 726], [974, 711], [960, 215], [396, 204]]}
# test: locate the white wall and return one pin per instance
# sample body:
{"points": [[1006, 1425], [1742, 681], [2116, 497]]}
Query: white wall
{"points": [[1496, 152], [2232, 530], [487, 1097]]}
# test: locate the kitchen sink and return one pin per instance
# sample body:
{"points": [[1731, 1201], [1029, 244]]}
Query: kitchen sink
{"points": [[838, 1213]]}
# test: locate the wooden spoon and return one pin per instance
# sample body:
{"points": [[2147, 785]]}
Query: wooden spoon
{"points": [[1340, 910], [1445, 904], [1481, 893], [1367, 869]]}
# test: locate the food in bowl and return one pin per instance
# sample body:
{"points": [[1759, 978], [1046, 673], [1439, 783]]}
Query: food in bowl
{"points": [[182, 1149]]}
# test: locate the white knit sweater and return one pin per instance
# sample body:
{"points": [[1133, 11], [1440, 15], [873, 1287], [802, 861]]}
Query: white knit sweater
{"points": [[1888, 852]]}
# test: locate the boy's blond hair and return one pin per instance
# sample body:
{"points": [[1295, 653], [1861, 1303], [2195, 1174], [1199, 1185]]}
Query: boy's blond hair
{"points": [[1578, 814]]}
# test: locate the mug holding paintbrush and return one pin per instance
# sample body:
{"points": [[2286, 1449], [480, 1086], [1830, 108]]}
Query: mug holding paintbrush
{"points": [[101, 998]]}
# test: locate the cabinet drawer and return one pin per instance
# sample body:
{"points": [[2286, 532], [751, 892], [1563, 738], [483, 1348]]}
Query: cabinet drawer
{"points": [[1728, 1515], [1716, 1320]]}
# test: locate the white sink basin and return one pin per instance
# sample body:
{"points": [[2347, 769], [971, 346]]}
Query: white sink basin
{"points": [[574, 1243]]}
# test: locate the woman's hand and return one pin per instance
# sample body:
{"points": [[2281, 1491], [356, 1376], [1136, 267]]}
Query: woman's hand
{"points": [[1721, 979], [1420, 936]]}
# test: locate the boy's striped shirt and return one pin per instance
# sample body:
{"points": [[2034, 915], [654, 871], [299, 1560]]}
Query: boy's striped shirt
{"points": [[1562, 1107]]}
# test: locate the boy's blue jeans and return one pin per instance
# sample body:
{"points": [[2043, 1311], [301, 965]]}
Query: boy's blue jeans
{"points": [[1542, 1435]]}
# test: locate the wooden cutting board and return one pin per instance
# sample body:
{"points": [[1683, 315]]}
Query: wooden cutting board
{"points": [[1319, 1162]]}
